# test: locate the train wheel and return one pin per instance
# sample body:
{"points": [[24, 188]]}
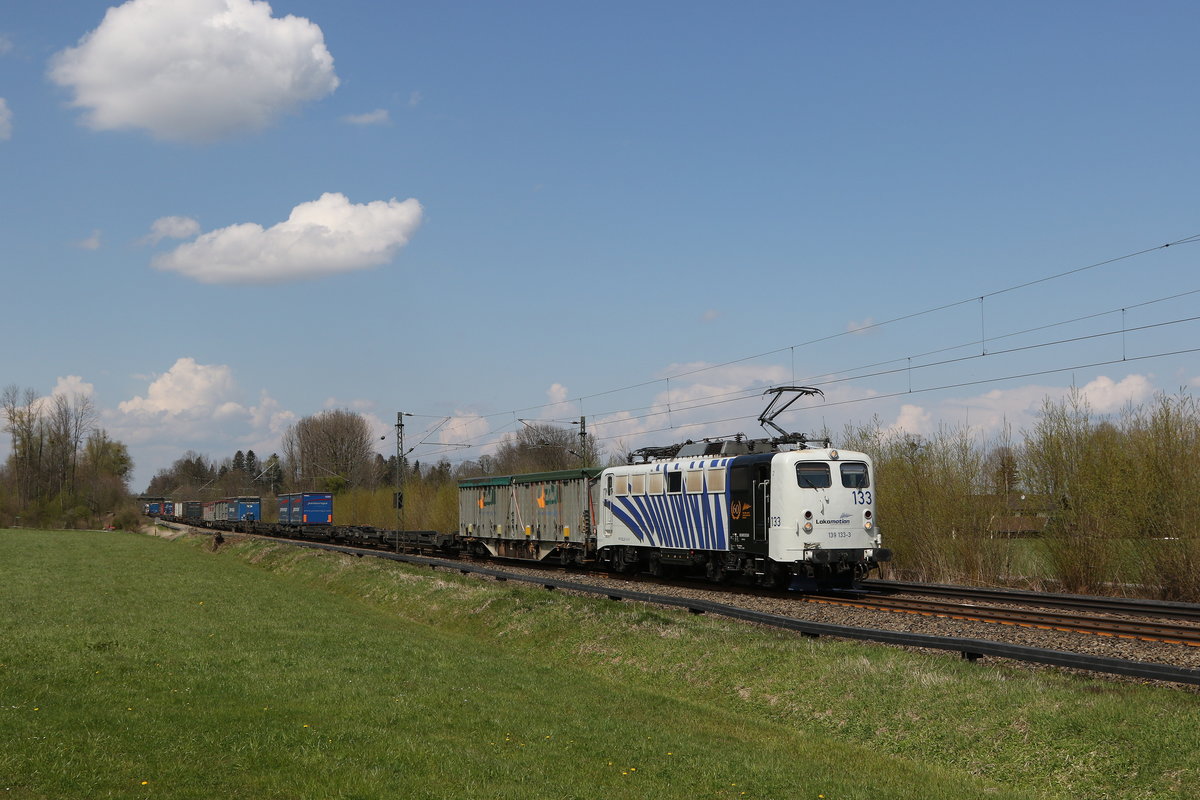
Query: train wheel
{"points": [[714, 570]]}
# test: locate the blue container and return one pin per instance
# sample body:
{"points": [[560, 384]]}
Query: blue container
{"points": [[244, 508], [306, 508]]}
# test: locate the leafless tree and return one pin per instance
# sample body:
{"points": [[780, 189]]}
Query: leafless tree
{"points": [[332, 450]]}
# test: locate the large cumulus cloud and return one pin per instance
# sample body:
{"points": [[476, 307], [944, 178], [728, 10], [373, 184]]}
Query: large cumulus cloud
{"points": [[323, 237], [194, 70]]}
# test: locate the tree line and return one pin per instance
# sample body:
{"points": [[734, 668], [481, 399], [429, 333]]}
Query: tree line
{"points": [[62, 470], [335, 451]]}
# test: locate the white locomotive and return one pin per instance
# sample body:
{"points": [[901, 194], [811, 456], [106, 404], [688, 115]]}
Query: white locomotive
{"points": [[803, 515]]}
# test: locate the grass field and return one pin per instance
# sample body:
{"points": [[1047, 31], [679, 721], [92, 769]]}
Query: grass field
{"points": [[132, 666]]}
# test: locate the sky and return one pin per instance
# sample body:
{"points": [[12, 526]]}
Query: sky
{"points": [[220, 216]]}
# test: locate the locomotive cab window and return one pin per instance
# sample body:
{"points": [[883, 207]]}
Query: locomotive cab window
{"points": [[854, 475], [674, 483], [813, 475]]}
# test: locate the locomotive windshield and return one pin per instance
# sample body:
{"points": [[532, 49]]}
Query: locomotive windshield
{"points": [[813, 475], [854, 475]]}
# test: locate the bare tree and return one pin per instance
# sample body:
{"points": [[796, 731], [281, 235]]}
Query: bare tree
{"points": [[333, 449]]}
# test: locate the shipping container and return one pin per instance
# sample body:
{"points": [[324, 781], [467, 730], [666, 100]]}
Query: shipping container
{"points": [[306, 508]]}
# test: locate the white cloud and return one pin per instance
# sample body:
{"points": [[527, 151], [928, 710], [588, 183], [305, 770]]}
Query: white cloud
{"points": [[5, 44], [6, 128], [186, 388], [171, 228], [913, 420], [557, 394], [73, 385], [1107, 396], [711, 315], [194, 70], [377, 117], [860, 328], [322, 237], [90, 243], [415, 99]]}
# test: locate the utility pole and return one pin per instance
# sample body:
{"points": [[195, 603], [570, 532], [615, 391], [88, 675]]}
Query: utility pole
{"points": [[400, 473]]}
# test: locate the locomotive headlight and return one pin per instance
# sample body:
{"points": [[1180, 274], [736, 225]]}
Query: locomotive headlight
{"points": [[808, 527], [833, 455], [868, 525], [808, 523]]}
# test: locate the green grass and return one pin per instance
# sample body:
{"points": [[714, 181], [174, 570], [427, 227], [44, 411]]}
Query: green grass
{"points": [[268, 671]]}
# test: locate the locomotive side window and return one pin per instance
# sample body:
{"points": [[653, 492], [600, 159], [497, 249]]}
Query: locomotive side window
{"points": [[854, 475], [654, 483], [813, 475], [695, 481], [610, 485], [637, 484], [622, 485], [716, 480], [674, 482]]}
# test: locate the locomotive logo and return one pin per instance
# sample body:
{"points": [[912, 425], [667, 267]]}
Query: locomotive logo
{"points": [[740, 510]]}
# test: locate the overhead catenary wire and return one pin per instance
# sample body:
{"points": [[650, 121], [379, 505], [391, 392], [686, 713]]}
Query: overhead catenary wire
{"points": [[741, 394]]}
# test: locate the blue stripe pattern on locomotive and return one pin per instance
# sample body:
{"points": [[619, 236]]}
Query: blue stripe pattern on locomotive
{"points": [[687, 521]]}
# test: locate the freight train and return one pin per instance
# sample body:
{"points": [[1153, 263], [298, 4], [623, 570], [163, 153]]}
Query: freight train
{"points": [[762, 511]]}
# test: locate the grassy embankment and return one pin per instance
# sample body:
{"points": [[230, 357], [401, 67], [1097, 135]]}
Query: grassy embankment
{"points": [[137, 667]]}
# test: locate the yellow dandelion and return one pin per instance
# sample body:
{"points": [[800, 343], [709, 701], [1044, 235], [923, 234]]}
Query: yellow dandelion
{"points": [[145, 782], [633, 769]]}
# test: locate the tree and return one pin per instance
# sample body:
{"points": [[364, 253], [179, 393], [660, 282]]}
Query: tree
{"points": [[541, 447], [333, 449], [252, 465], [239, 462]]}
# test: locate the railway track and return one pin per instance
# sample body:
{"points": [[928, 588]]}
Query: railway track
{"points": [[1169, 632], [1096, 604]]}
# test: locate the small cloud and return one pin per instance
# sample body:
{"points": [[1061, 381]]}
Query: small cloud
{"points": [[5, 121], [557, 393], [90, 243], [194, 70], [73, 385], [326, 236], [171, 228], [6, 44], [415, 99], [913, 420], [860, 328], [711, 315], [377, 117], [186, 387], [1107, 396]]}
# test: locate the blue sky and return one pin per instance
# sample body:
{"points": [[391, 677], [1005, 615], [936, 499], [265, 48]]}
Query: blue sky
{"points": [[219, 216]]}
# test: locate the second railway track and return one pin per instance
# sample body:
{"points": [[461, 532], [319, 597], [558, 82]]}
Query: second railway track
{"points": [[1143, 630]]}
